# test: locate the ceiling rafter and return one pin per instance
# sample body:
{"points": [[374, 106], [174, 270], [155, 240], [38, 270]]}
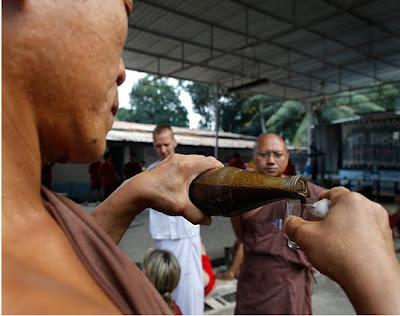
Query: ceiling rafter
{"points": [[296, 26], [178, 60], [298, 54], [259, 39], [366, 20], [222, 53]]}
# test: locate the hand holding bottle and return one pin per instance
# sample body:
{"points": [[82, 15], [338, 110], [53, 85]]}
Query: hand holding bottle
{"points": [[353, 246], [168, 185], [164, 188]]}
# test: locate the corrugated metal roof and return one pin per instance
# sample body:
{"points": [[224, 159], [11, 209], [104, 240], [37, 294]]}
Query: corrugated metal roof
{"points": [[305, 48], [142, 133]]}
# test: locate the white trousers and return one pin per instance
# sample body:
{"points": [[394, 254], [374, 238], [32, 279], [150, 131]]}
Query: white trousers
{"points": [[189, 295]]}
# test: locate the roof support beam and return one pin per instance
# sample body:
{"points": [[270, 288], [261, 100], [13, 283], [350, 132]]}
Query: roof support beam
{"points": [[256, 38], [307, 27], [204, 63]]}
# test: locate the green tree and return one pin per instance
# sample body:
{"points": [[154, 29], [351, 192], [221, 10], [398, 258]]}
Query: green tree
{"points": [[390, 97], [154, 101], [233, 116], [203, 98], [385, 95], [255, 109], [125, 115], [347, 104], [290, 119], [238, 112]]}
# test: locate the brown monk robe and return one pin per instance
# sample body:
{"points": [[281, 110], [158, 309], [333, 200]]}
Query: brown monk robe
{"points": [[115, 273], [273, 279]]}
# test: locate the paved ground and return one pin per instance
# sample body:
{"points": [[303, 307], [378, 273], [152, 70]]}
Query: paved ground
{"points": [[328, 297]]}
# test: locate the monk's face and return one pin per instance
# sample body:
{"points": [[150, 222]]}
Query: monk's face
{"points": [[271, 156], [77, 68]]}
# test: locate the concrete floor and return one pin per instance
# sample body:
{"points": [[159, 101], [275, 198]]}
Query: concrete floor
{"points": [[327, 297]]}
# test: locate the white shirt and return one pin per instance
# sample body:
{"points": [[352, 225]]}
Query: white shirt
{"points": [[170, 227]]}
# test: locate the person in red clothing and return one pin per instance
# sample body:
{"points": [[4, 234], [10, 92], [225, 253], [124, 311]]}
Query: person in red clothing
{"points": [[237, 162], [95, 181], [290, 169], [107, 175], [131, 167]]}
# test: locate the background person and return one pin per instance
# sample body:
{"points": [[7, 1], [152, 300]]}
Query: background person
{"points": [[131, 167], [142, 165], [178, 235], [290, 169], [162, 269], [95, 181], [237, 162], [107, 175], [273, 278]]}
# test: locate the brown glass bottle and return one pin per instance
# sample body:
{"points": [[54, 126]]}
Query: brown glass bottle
{"points": [[231, 191]]}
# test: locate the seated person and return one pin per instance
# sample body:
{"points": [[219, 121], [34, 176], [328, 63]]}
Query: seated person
{"points": [[163, 270]]}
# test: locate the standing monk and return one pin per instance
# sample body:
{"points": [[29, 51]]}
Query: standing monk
{"points": [[273, 278]]}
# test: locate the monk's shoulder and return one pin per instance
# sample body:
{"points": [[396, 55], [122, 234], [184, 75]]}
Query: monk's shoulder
{"points": [[28, 290]]}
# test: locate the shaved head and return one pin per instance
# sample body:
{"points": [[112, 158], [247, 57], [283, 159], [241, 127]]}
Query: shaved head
{"points": [[270, 155]]}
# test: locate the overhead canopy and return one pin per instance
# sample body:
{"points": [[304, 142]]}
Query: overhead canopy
{"points": [[290, 49]]}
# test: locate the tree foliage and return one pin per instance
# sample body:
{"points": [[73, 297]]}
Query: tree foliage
{"points": [[203, 98], [154, 101], [233, 114], [125, 115], [290, 119]]}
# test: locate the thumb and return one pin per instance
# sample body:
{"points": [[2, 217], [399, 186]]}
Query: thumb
{"points": [[292, 226], [195, 216]]}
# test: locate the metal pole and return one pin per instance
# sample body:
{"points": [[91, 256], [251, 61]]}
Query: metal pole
{"points": [[262, 121], [309, 151], [216, 104]]}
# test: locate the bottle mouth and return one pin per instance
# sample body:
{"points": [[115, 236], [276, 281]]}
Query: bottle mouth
{"points": [[299, 185]]}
